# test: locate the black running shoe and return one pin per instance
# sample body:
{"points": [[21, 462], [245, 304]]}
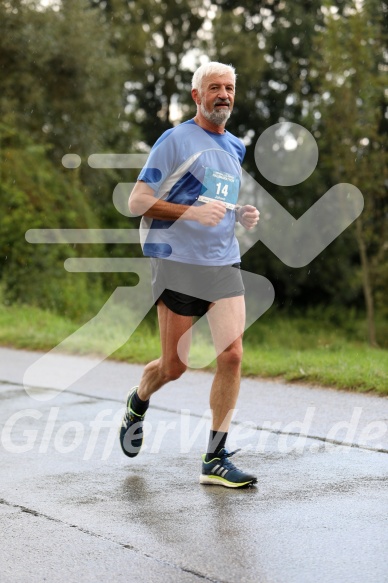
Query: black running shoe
{"points": [[131, 431], [221, 472]]}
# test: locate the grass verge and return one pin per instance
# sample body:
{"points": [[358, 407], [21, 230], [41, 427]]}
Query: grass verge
{"points": [[314, 349]]}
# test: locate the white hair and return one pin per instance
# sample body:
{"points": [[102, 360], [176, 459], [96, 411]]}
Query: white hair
{"points": [[212, 68]]}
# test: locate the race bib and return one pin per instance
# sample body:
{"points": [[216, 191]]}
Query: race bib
{"points": [[220, 186]]}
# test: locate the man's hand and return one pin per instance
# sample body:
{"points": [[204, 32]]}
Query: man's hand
{"points": [[208, 214], [248, 216]]}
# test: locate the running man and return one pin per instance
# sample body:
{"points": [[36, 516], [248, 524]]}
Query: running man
{"points": [[195, 260]]}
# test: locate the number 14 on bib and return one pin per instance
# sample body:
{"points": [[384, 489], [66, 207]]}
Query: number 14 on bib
{"points": [[220, 186]]}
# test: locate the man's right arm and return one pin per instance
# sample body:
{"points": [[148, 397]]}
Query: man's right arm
{"points": [[143, 202]]}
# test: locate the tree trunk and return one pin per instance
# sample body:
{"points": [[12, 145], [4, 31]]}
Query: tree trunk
{"points": [[366, 284]]}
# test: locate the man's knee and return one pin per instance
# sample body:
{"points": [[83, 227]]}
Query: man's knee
{"points": [[173, 370], [231, 357]]}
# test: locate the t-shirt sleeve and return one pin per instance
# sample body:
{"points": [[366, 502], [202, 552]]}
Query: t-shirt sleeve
{"points": [[243, 152], [161, 162]]}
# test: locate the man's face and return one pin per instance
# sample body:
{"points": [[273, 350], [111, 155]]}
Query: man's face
{"points": [[216, 98]]}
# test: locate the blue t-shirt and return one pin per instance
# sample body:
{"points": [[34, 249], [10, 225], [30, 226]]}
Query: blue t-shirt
{"points": [[178, 170]]}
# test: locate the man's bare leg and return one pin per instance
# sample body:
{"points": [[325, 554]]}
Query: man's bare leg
{"points": [[227, 321], [168, 367], [157, 373]]}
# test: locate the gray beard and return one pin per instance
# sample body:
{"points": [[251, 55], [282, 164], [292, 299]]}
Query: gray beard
{"points": [[216, 117]]}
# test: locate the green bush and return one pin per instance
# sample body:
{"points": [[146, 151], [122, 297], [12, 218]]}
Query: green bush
{"points": [[34, 194]]}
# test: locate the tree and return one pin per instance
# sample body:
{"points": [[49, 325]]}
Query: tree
{"points": [[61, 90], [60, 81], [154, 37], [351, 101], [271, 46]]}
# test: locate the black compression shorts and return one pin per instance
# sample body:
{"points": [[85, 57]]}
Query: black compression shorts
{"points": [[189, 290]]}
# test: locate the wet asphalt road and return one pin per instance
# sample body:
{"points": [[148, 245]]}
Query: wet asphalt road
{"points": [[73, 508]]}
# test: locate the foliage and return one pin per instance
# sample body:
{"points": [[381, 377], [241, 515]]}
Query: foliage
{"points": [[351, 100], [155, 37], [310, 348], [33, 195], [271, 46], [89, 76], [60, 79]]}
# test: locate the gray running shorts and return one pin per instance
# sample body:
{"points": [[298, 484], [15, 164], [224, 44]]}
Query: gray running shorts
{"points": [[189, 290]]}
